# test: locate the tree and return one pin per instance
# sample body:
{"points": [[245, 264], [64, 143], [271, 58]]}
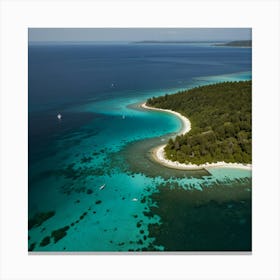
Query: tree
{"points": [[221, 120]]}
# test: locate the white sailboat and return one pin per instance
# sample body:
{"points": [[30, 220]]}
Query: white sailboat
{"points": [[59, 116]]}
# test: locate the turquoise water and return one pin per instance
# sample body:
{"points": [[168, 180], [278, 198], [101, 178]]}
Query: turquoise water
{"points": [[102, 141], [114, 222]]}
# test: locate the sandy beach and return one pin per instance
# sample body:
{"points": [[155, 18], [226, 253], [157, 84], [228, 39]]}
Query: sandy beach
{"points": [[158, 153], [186, 124]]}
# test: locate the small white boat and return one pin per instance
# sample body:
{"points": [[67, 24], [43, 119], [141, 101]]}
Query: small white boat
{"points": [[102, 187], [123, 117], [134, 199], [59, 116]]}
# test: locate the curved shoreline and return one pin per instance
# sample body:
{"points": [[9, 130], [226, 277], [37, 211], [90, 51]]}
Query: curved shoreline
{"points": [[186, 124], [159, 156]]}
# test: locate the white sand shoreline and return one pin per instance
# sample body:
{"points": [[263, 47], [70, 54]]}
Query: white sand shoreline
{"points": [[186, 124], [158, 153]]}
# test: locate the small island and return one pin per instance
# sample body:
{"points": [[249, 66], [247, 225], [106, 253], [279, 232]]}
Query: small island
{"points": [[219, 130], [240, 43]]}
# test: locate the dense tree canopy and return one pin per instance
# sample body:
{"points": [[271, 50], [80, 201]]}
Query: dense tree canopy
{"points": [[221, 118]]}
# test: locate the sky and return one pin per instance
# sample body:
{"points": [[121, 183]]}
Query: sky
{"points": [[137, 34]]}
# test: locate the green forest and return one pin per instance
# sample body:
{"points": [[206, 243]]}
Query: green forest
{"points": [[221, 120]]}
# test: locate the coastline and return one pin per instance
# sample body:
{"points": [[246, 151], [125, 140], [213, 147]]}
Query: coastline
{"points": [[159, 156], [186, 124]]}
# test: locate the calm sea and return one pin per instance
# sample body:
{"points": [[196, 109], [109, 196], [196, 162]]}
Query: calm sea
{"points": [[103, 138]]}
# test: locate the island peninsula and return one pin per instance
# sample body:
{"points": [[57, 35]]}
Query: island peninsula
{"points": [[216, 130]]}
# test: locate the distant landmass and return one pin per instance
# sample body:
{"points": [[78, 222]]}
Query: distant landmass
{"points": [[241, 43], [174, 42]]}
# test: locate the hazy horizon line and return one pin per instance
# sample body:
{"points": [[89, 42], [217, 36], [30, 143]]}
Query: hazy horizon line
{"points": [[132, 41]]}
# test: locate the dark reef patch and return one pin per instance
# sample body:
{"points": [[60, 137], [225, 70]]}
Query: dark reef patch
{"points": [[140, 242], [89, 191], [83, 215], [85, 159], [218, 218], [46, 240], [137, 159], [73, 173], [148, 214], [139, 223], [32, 246], [39, 218], [59, 233]]}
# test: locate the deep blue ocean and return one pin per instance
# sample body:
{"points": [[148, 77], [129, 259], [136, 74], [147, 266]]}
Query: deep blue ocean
{"points": [[104, 138]]}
